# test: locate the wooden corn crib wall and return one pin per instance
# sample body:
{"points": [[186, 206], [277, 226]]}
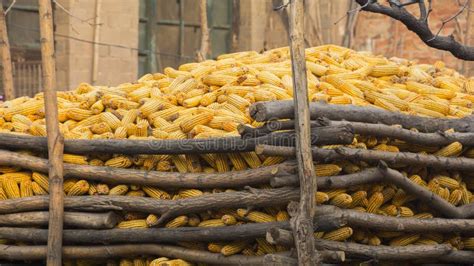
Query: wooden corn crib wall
{"points": [[244, 211]]}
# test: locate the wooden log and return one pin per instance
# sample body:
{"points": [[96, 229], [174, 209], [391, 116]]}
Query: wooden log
{"points": [[439, 138], [278, 260], [265, 111], [238, 199], [366, 176], [325, 222], [7, 73], [73, 219], [112, 175], [354, 250], [55, 139], [302, 215], [9, 252], [344, 153], [399, 224], [19, 253], [322, 136], [205, 39]]}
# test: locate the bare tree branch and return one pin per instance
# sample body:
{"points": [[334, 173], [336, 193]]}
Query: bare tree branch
{"points": [[420, 27]]}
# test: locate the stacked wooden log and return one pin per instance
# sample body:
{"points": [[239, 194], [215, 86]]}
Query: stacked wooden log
{"points": [[181, 165]]}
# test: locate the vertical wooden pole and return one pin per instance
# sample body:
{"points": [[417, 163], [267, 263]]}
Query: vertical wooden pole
{"points": [[95, 56], [204, 50], [151, 62], [181, 29], [235, 25], [7, 74], [55, 140], [301, 221]]}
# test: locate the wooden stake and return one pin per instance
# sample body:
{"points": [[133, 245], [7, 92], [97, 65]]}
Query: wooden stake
{"points": [[301, 221], [7, 75], [151, 62], [204, 51], [55, 139]]}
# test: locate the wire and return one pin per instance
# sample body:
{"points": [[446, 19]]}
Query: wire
{"points": [[9, 7], [102, 43], [70, 14]]}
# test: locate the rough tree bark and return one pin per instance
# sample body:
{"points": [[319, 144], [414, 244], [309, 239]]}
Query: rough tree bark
{"points": [[55, 139], [7, 74]]}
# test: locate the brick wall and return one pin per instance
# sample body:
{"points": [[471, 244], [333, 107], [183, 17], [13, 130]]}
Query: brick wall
{"points": [[118, 25], [383, 35]]}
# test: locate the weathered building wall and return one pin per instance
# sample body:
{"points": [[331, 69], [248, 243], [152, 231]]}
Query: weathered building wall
{"points": [[118, 26]]}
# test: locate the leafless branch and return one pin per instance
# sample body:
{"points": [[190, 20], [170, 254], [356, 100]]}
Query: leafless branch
{"points": [[421, 28], [445, 21]]}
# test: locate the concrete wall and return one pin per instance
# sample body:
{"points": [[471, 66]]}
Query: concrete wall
{"points": [[118, 25]]}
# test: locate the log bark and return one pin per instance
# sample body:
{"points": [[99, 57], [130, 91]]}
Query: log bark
{"points": [[344, 153], [439, 138], [125, 251], [354, 250], [18, 253], [55, 139], [322, 136], [112, 175], [398, 224], [301, 217], [7, 73], [239, 199], [72, 219], [366, 176], [265, 111], [325, 222], [205, 42], [279, 260]]}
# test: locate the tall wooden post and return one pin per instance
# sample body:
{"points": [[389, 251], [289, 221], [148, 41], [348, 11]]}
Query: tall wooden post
{"points": [[151, 62], [55, 139], [7, 74], [205, 43], [301, 220]]}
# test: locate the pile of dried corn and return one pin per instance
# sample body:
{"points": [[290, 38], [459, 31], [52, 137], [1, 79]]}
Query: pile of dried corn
{"points": [[212, 98]]}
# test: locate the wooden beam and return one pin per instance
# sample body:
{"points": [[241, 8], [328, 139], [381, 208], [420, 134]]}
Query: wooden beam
{"points": [[205, 42], [7, 75], [55, 139], [151, 62], [302, 214]]}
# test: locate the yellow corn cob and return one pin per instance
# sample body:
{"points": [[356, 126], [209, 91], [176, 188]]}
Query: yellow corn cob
{"points": [[177, 222], [81, 187], [190, 122], [118, 190], [385, 70], [110, 119], [334, 192], [405, 212], [375, 201], [404, 240], [344, 86], [327, 169], [256, 216], [25, 188], [228, 219], [252, 159], [215, 247], [452, 149], [189, 193], [75, 159], [282, 216], [156, 193], [374, 240], [11, 188], [37, 190], [233, 248], [269, 78], [218, 80], [446, 181], [41, 180], [151, 220], [340, 234], [237, 161], [358, 198], [139, 223], [120, 162], [391, 210], [211, 223], [342, 200]]}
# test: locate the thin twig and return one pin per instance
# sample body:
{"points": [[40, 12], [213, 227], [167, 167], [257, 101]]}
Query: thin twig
{"points": [[74, 16], [445, 21]]}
